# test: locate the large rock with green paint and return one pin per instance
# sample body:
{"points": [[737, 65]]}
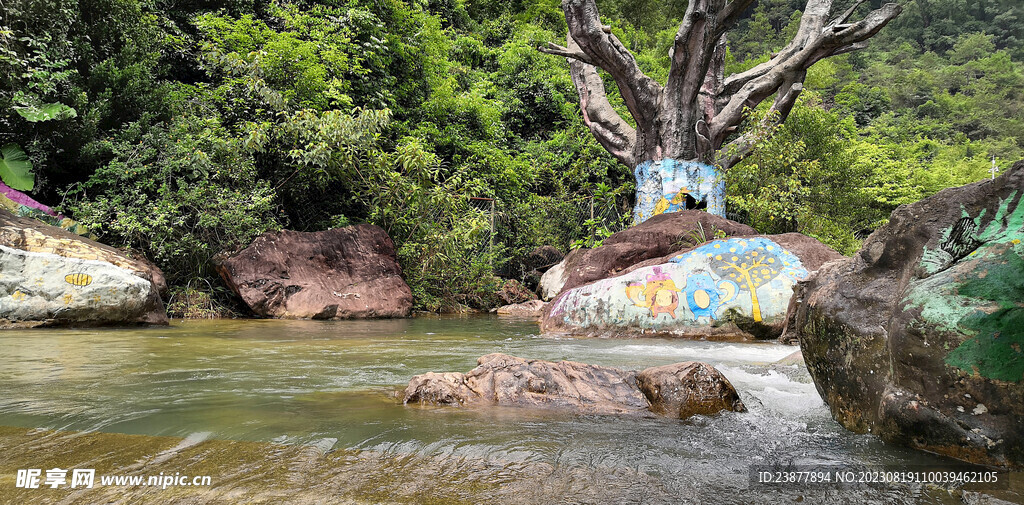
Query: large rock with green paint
{"points": [[50, 277], [731, 288], [919, 338]]}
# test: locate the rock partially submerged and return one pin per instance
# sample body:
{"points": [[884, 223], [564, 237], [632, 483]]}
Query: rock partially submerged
{"points": [[680, 390], [796, 358], [532, 308], [341, 273], [51, 277], [739, 287], [919, 337]]}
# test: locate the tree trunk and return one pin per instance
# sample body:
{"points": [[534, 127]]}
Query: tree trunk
{"points": [[686, 136]]}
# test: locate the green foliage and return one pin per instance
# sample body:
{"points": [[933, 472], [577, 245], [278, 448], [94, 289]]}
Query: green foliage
{"points": [[191, 129], [15, 168], [46, 112], [598, 227], [200, 299], [179, 192], [813, 175]]}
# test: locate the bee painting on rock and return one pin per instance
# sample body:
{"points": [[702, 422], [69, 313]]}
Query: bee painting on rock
{"points": [[78, 279]]}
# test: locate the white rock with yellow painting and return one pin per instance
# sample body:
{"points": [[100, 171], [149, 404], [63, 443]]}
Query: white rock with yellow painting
{"points": [[51, 277]]}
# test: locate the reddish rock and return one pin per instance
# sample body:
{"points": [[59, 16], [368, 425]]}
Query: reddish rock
{"points": [[342, 273], [677, 391], [542, 258], [657, 237], [687, 389]]}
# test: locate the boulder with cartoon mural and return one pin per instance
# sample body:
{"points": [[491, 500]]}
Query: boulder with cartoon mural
{"points": [[661, 235], [736, 287], [919, 337]]}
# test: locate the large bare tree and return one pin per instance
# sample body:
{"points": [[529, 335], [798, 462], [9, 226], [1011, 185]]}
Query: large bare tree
{"points": [[686, 135]]}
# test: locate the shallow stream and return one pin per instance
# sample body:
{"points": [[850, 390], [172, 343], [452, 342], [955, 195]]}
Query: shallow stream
{"points": [[306, 412]]}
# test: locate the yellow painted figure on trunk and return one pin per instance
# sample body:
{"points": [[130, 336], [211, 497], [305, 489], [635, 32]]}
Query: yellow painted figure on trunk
{"points": [[677, 202]]}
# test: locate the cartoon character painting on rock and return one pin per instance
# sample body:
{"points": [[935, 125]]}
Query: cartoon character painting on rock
{"points": [[659, 294], [704, 297], [723, 279]]}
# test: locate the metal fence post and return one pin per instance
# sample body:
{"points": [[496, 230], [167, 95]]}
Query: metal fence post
{"points": [[593, 226], [491, 245]]}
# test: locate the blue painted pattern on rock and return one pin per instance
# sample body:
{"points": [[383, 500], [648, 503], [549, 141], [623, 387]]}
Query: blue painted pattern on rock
{"points": [[748, 277]]}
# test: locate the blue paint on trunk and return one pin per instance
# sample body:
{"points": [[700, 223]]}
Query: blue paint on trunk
{"points": [[662, 186]]}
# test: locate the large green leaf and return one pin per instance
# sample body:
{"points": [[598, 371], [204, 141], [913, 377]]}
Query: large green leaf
{"points": [[16, 169], [47, 112]]}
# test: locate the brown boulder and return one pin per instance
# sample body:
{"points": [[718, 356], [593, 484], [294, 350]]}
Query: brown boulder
{"points": [[812, 253], [341, 273], [677, 391], [654, 238], [511, 291], [507, 380], [918, 337], [49, 276], [542, 258], [687, 389], [532, 308]]}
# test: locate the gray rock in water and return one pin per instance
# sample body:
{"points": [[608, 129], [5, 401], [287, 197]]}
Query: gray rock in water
{"points": [[796, 358], [919, 337], [678, 391], [532, 308]]}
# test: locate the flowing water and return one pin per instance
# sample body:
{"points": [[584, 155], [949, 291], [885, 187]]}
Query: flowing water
{"points": [[307, 412]]}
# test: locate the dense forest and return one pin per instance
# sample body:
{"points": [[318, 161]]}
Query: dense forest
{"points": [[183, 128]]}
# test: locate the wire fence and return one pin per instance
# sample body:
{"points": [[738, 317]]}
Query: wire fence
{"points": [[509, 230], [568, 223]]}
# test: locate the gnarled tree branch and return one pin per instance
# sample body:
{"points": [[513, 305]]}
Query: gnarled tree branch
{"points": [[603, 49], [698, 110], [557, 50], [610, 130], [814, 41]]}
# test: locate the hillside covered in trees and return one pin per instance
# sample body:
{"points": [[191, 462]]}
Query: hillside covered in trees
{"points": [[186, 128]]}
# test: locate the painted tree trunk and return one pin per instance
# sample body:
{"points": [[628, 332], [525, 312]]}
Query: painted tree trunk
{"points": [[664, 185], [694, 118]]}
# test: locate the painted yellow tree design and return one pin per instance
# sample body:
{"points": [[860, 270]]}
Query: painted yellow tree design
{"points": [[750, 267]]}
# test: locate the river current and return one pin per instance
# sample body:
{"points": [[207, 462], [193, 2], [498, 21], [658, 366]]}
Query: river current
{"points": [[309, 412]]}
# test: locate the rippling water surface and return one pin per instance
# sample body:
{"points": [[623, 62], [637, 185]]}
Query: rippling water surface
{"points": [[316, 401]]}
